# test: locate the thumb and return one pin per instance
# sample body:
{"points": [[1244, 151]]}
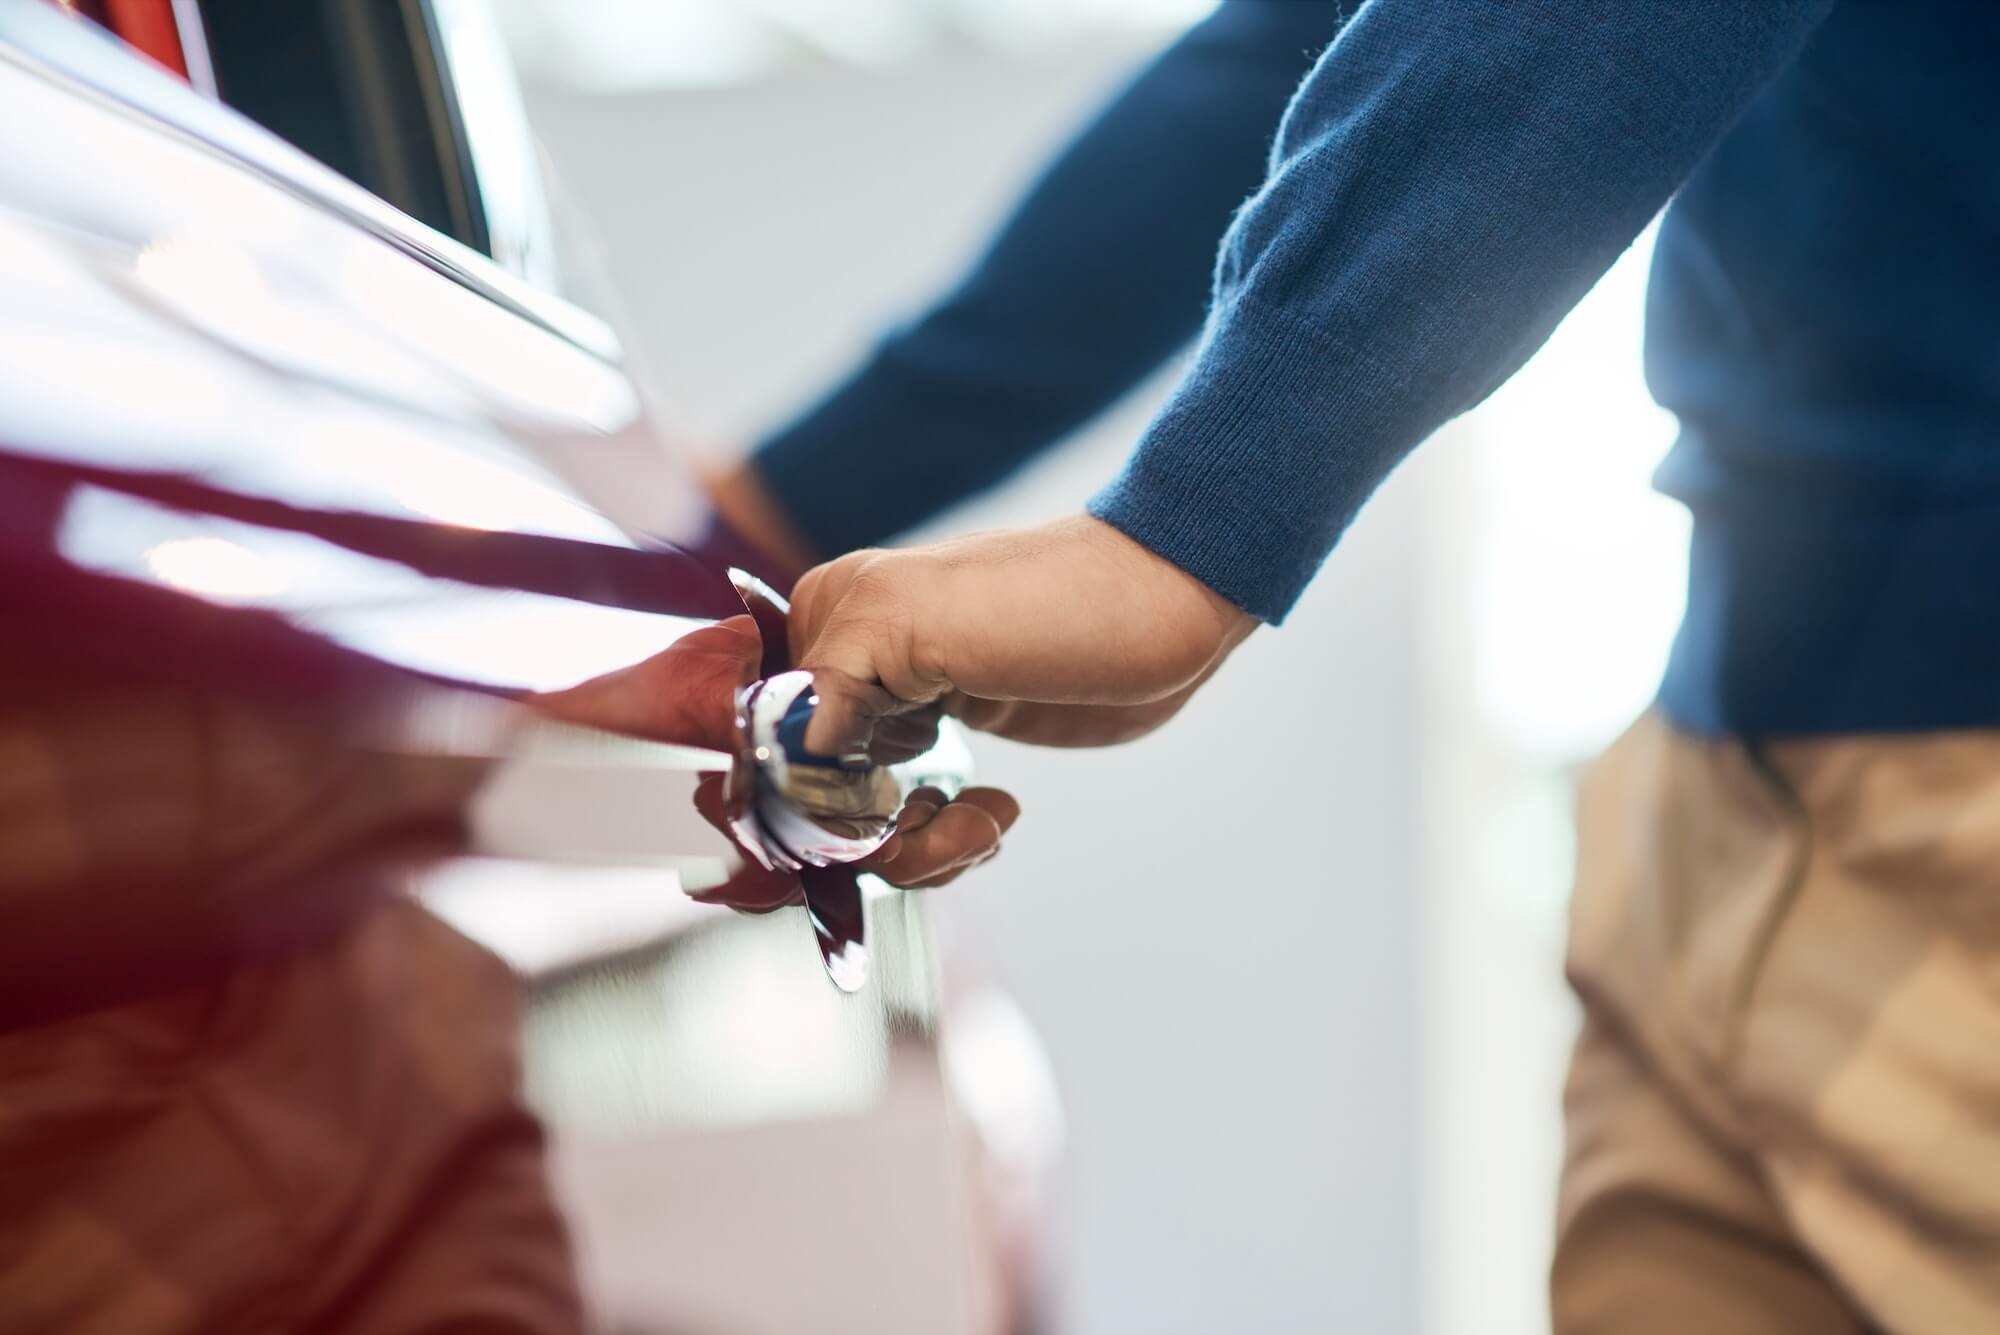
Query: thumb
{"points": [[853, 622], [847, 711]]}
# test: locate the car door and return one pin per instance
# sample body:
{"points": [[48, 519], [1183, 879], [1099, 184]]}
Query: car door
{"points": [[266, 386]]}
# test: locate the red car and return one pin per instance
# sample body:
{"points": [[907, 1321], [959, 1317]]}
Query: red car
{"points": [[289, 394]]}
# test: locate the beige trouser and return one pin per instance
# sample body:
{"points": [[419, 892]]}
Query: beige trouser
{"points": [[1784, 1111]]}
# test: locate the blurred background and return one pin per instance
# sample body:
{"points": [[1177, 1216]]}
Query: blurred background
{"points": [[1301, 991]]}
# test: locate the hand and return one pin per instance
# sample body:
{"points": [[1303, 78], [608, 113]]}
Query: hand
{"points": [[686, 694], [1067, 634]]}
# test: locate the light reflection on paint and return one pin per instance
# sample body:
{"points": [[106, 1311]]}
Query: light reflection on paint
{"points": [[206, 277], [413, 326], [381, 608], [454, 490], [336, 455], [498, 354], [214, 568], [281, 316]]}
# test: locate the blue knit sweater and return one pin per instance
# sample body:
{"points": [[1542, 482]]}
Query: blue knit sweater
{"points": [[1447, 181]]}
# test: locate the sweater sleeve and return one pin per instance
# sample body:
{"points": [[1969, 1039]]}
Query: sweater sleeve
{"points": [[1099, 275], [1452, 177]]}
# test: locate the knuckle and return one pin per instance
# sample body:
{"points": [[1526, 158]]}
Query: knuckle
{"points": [[876, 582]]}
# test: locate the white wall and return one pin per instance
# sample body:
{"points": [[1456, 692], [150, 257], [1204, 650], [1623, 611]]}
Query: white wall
{"points": [[1215, 929]]}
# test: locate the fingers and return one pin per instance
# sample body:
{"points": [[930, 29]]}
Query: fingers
{"points": [[980, 714], [1071, 613], [1065, 725], [859, 616], [846, 715], [938, 839], [902, 737]]}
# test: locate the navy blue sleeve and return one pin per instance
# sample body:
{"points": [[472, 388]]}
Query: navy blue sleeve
{"points": [[1451, 178], [1102, 272]]}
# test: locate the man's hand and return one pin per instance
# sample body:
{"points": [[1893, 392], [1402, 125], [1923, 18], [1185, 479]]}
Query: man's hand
{"points": [[1067, 634], [687, 693]]}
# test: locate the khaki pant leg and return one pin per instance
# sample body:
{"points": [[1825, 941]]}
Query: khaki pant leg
{"points": [[1689, 858], [1869, 1064], [1664, 1229]]}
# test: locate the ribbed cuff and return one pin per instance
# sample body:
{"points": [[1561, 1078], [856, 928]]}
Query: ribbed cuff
{"points": [[1258, 462]]}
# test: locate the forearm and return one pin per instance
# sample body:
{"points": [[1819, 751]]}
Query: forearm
{"points": [[1098, 276], [1451, 179]]}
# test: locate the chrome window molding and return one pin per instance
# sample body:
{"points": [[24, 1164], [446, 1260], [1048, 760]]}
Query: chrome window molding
{"points": [[44, 42]]}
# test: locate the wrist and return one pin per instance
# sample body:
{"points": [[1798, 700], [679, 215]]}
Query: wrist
{"points": [[1155, 627], [1184, 598]]}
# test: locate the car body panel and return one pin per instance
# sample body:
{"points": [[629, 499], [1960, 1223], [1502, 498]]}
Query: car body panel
{"points": [[248, 382], [248, 387]]}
